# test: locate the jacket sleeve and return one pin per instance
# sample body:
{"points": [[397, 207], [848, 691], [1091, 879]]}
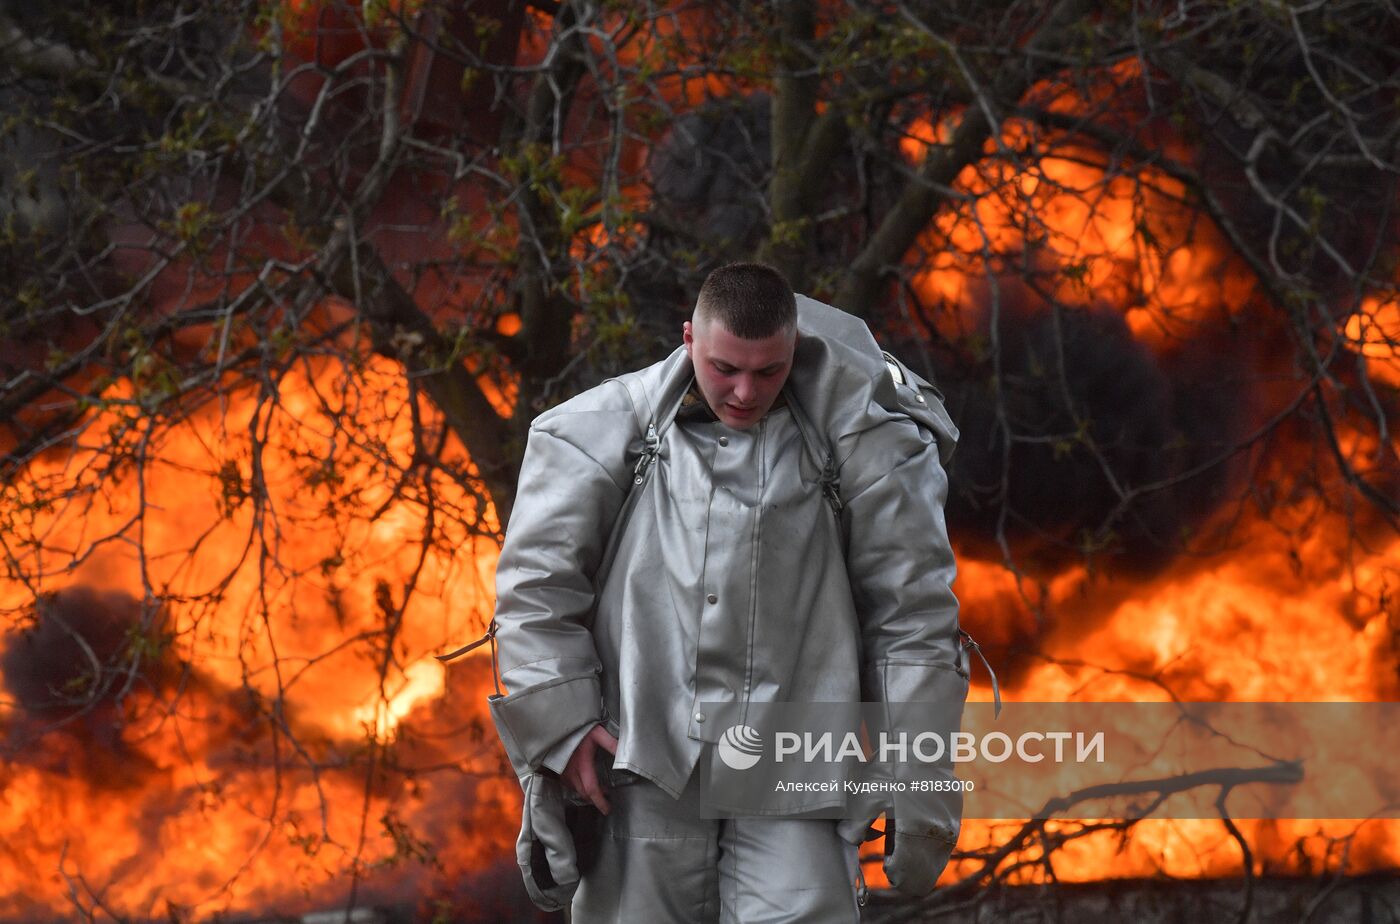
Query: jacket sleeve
{"points": [[901, 567], [569, 495]]}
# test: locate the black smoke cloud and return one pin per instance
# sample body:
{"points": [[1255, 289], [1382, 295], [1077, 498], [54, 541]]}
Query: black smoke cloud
{"points": [[1083, 442], [81, 650], [77, 672]]}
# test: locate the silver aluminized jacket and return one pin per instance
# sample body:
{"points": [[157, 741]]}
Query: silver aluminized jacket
{"points": [[730, 578]]}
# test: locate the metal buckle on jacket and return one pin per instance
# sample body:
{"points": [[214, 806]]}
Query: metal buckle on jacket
{"points": [[831, 483], [648, 456], [896, 373]]}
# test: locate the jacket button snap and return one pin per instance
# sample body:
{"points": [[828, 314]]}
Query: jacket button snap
{"points": [[700, 717], [712, 598], [919, 398], [724, 441]]}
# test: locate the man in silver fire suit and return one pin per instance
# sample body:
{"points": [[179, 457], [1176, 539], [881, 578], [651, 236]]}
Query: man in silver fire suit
{"points": [[757, 518]]}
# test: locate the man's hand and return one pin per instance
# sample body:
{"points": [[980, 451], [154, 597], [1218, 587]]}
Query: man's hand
{"points": [[581, 774]]}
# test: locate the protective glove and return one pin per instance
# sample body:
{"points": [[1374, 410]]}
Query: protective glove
{"points": [[545, 850], [915, 859]]}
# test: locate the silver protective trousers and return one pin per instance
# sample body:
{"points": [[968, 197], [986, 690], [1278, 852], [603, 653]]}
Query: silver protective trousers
{"points": [[658, 861]]}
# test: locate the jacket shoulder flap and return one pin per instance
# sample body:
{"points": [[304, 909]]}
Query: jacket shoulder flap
{"points": [[601, 423], [918, 398]]}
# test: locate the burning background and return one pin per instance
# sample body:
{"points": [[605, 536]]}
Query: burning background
{"points": [[284, 282]]}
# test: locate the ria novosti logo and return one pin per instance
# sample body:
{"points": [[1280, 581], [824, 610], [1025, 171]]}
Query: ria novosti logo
{"points": [[740, 747]]}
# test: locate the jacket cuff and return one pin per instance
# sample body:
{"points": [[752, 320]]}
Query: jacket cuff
{"points": [[534, 723], [857, 830]]}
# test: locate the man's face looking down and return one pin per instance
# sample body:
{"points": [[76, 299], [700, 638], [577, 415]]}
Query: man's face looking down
{"points": [[739, 379]]}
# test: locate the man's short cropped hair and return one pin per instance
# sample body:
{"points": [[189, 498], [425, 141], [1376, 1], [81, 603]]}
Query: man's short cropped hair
{"points": [[751, 300]]}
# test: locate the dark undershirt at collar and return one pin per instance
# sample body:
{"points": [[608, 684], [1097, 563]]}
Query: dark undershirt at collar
{"points": [[694, 407]]}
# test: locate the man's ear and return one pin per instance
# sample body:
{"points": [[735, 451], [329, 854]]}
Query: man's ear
{"points": [[687, 336]]}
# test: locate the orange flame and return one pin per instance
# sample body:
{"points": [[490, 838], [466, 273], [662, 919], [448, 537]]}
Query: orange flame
{"points": [[191, 823], [1374, 332]]}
